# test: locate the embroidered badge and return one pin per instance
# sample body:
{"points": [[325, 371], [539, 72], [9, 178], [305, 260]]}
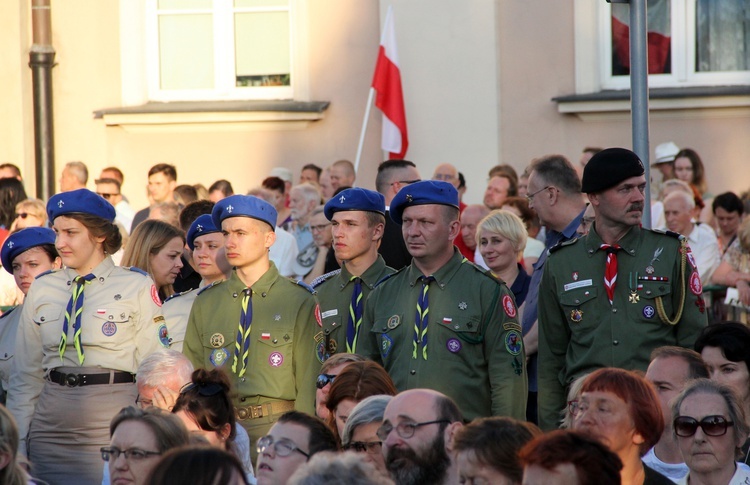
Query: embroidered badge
{"points": [[462, 305], [330, 313], [386, 343], [513, 342], [155, 295], [394, 322], [575, 275], [453, 345], [576, 315], [320, 347], [164, 335], [109, 328], [517, 366], [695, 284], [512, 326], [217, 340], [265, 336], [447, 320], [648, 311], [218, 357], [332, 346], [509, 306], [691, 258], [634, 297], [650, 269], [318, 318], [275, 359], [578, 284]]}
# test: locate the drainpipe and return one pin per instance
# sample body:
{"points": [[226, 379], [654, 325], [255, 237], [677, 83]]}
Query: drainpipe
{"points": [[41, 62]]}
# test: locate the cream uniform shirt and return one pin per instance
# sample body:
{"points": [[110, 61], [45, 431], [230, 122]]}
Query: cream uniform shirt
{"points": [[8, 328], [176, 312], [121, 323]]}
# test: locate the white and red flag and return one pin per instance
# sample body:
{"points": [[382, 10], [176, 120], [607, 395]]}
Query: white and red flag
{"points": [[390, 97]]}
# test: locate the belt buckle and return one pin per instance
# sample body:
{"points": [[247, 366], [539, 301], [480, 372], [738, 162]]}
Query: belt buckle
{"points": [[72, 380], [256, 411]]}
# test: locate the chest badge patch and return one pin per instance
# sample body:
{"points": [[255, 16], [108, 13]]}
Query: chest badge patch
{"points": [[462, 305], [513, 342], [695, 284], [648, 311], [509, 306], [576, 315], [575, 275], [218, 357], [650, 269], [394, 322], [217, 340], [453, 345], [276, 359], [109, 328], [164, 335], [386, 343]]}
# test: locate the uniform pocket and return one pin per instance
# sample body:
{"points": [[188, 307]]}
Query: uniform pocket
{"points": [[274, 349], [455, 338], [578, 306], [384, 331], [110, 323], [50, 320], [645, 308]]}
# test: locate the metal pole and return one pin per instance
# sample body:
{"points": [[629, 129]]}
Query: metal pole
{"points": [[41, 62], [639, 94]]}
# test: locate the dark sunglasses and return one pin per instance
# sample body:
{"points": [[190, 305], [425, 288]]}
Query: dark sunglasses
{"points": [[685, 426], [324, 380], [22, 215], [211, 389], [106, 196]]}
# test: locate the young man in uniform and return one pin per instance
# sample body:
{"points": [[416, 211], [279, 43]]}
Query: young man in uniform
{"points": [[258, 325], [609, 298], [442, 323], [358, 218]]}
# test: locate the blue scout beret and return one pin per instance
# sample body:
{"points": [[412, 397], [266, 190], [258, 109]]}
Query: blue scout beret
{"points": [[22, 240], [244, 206], [81, 201], [355, 199], [610, 167], [203, 225], [423, 193]]}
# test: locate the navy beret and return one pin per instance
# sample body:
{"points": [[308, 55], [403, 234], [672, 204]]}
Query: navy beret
{"points": [[244, 206], [355, 199], [423, 193], [25, 239], [81, 201], [203, 225], [610, 167]]}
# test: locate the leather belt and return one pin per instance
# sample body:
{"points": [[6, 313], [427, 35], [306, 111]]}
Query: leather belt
{"points": [[75, 380], [267, 409]]}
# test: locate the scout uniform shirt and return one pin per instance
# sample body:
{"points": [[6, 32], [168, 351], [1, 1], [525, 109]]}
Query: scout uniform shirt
{"points": [[176, 311], [335, 291], [121, 323], [475, 350], [8, 328], [580, 331], [281, 363]]}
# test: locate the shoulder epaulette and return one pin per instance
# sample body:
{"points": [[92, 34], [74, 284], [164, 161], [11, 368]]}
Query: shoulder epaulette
{"points": [[673, 234], [320, 279], [385, 278], [137, 270], [8, 312], [486, 272], [176, 295], [215, 283], [562, 244], [306, 286], [49, 271]]}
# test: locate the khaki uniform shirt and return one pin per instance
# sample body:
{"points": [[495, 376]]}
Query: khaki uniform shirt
{"points": [[281, 363], [177, 311], [8, 329], [335, 296], [475, 349], [579, 331], [121, 323]]}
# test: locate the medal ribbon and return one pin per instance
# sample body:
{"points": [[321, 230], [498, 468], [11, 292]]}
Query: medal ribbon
{"points": [[242, 343], [355, 315], [610, 271], [73, 310], [420, 323]]}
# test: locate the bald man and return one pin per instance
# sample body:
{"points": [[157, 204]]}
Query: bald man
{"points": [[448, 173]]}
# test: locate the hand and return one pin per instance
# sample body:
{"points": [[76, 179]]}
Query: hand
{"points": [[164, 398], [743, 288]]}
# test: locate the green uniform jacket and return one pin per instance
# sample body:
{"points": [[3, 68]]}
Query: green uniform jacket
{"points": [[475, 349], [282, 363], [334, 292], [579, 331]]}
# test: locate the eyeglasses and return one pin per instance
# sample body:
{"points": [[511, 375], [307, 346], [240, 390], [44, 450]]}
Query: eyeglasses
{"points": [[319, 228], [443, 176], [144, 403], [131, 454], [685, 426], [203, 389], [574, 408], [107, 196], [370, 447], [282, 447], [324, 380], [530, 197], [22, 215], [404, 430], [405, 182]]}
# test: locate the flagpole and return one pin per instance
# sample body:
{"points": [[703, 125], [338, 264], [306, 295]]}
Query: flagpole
{"points": [[364, 129]]}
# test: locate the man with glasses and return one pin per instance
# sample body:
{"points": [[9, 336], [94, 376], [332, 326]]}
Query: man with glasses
{"points": [[416, 434], [110, 190], [358, 218], [303, 199], [609, 298], [289, 444], [392, 176]]}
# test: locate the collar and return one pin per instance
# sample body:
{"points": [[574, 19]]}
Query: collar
{"points": [[570, 231], [369, 277], [101, 271], [629, 243], [442, 276], [262, 286]]}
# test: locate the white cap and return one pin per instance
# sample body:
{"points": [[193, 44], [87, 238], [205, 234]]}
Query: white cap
{"points": [[666, 152], [283, 173]]}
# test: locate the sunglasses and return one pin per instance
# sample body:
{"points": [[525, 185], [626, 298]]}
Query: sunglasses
{"points": [[23, 215], [685, 426], [107, 196], [324, 380]]}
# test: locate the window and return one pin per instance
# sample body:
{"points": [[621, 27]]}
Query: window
{"points": [[221, 49], [690, 43]]}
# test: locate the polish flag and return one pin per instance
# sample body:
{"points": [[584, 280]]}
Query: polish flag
{"points": [[390, 97]]}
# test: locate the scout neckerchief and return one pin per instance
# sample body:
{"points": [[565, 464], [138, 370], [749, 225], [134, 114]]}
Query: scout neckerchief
{"points": [[73, 311], [355, 315], [242, 343], [420, 323], [610, 271]]}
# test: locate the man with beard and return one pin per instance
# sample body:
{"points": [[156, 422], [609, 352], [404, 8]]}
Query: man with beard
{"points": [[609, 298], [417, 435]]}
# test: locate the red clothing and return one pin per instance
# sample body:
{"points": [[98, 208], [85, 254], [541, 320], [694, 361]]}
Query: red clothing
{"points": [[459, 241]]}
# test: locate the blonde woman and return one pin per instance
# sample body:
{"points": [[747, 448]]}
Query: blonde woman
{"points": [[29, 213]]}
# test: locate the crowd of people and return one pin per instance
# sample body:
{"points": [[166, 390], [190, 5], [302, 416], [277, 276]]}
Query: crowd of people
{"points": [[313, 331]]}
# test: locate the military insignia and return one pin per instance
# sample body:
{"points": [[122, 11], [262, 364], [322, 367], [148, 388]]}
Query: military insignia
{"points": [[575, 275], [511, 326], [648, 311], [286, 337], [342, 199], [118, 297], [695, 284], [155, 295], [332, 346], [634, 297], [462, 305], [447, 320], [320, 347], [453, 345], [650, 269], [513, 342], [517, 366], [218, 357], [509, 306], [60, 204], [109, 328], [230, 208], [276, 359], [657, 253], [217, 340], [11, 244], [386, 343], [576, 315], [164, 335], [394, 322], [409, 198]]}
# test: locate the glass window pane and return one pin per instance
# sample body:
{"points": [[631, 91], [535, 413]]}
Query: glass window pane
{"points": [[186, 52], [184, 4], [261, 3], [722, 35], [659, 38], [262, 49]]}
